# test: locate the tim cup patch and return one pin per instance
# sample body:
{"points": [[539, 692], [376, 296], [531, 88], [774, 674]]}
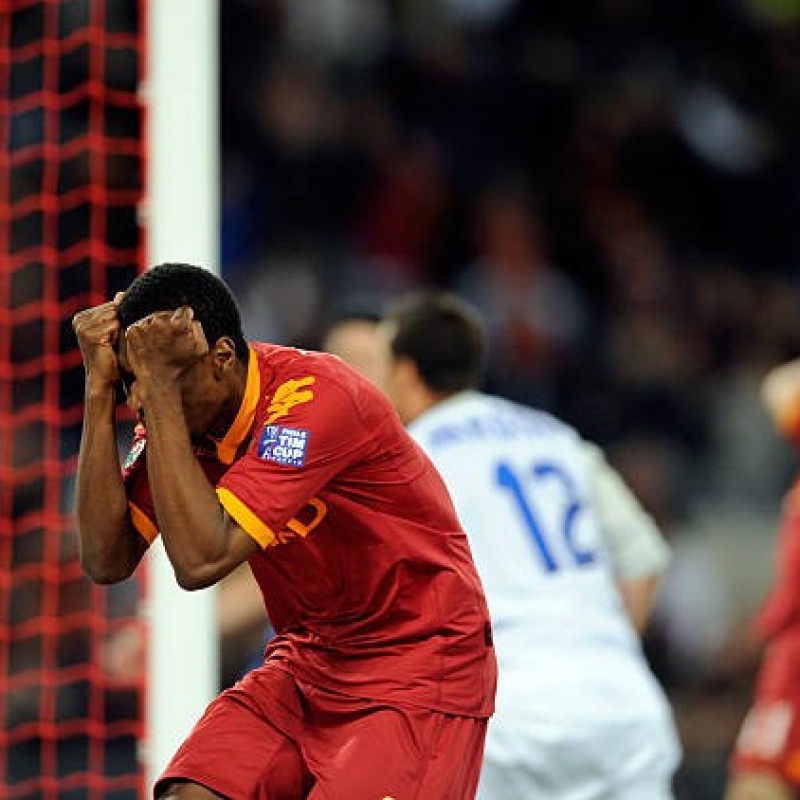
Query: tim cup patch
{"points": [[282, 445]]}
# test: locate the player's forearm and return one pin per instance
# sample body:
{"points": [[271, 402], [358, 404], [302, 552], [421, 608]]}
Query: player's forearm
{"points": [[190, 517], [109, 547]]}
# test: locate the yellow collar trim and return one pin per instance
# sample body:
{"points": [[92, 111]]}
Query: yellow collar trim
{"points": [[229, 444]]}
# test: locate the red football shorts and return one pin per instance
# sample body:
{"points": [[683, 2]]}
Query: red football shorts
{"points": [[271, 737], [769, 739]]}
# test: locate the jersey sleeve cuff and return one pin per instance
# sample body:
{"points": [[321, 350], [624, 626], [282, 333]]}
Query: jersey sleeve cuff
{"points": [[246, 518]]}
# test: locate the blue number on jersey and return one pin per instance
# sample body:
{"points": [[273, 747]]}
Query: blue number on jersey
{"points": [[508, 479]]}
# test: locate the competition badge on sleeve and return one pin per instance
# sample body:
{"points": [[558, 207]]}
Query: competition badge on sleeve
{"points": [[286, 446]]}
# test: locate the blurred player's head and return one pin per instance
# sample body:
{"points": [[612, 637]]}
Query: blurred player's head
{"points": [[436, 348], [209, 387], [353, 336]]}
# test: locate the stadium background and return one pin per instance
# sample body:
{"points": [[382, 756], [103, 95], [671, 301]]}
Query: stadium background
{"points": [[615, 184]]}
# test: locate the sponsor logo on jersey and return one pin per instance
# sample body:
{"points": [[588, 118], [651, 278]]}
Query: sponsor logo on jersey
{"points": [[282, 445], [288, 395], [136, 450]]}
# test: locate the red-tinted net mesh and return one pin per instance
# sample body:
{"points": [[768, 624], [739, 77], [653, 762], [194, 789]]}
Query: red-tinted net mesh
{"points": [[70, 179]]}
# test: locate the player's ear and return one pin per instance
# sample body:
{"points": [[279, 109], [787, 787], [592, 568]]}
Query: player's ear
{"points": [[223, 354]]}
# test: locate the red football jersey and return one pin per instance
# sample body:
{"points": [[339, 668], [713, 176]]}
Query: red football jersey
{"points": [[366, 573], [770, 735]]}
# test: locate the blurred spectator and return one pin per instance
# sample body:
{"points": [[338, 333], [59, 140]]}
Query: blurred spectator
{"points": [[533, 312], [280, 299], [403, 212]]}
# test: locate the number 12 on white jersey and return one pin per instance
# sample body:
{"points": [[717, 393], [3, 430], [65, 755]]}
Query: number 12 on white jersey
{"points": [[514, 482]]}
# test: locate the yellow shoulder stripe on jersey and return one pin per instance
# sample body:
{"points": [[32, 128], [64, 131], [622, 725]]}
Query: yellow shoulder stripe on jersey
{"points": [[246, 518], [288, 395], [144, 525], [229, 444]]}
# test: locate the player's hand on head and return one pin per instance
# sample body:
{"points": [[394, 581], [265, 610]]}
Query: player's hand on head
{"points": [[165, 344], [97, 330]]}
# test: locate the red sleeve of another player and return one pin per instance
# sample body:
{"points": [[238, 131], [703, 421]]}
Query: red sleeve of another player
{"points": [[134, 476], [292, 457], [782, 606]]}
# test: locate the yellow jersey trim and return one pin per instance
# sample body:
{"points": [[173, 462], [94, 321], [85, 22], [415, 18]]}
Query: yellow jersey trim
{"points": [[143, 524], [229, 444], [252, 525]]}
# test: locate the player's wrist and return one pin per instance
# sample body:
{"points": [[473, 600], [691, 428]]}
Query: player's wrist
{"points": [[99, 387], [155, 387]]}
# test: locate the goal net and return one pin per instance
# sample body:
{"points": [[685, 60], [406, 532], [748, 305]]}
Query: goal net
{"points": [[71, 654]]}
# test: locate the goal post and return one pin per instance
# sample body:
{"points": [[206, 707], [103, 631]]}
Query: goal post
{"points": [[181, 217]]}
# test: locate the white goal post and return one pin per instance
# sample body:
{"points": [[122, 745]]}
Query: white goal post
{"points": [[181, 217]]}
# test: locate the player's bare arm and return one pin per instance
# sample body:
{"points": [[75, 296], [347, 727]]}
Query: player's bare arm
{"points": [[169, 355], [639, 597], [110, 547]]}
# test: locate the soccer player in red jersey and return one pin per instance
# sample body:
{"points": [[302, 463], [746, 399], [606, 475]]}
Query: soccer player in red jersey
{"points": [[381, 676], [766, 760]]}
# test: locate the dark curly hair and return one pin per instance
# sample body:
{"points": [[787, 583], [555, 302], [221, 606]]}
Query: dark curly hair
{"points": [[169, 286]]}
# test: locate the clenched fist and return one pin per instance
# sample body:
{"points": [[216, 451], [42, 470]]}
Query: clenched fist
{"points": [[163, 345], [97, 330]]}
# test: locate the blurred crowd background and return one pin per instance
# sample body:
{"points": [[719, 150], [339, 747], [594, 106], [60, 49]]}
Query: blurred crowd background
{"points": [[616, 185]]}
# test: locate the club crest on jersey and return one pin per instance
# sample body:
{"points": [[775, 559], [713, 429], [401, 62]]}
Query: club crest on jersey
{"points": [[282, 445], [288, 395], [137, 448]]}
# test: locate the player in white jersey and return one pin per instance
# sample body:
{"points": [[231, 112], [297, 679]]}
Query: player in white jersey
{"points": [[562, 547]]}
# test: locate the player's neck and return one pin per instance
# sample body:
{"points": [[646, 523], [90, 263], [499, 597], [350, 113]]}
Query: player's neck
{"points": [[229, 409], [419, 401]]}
